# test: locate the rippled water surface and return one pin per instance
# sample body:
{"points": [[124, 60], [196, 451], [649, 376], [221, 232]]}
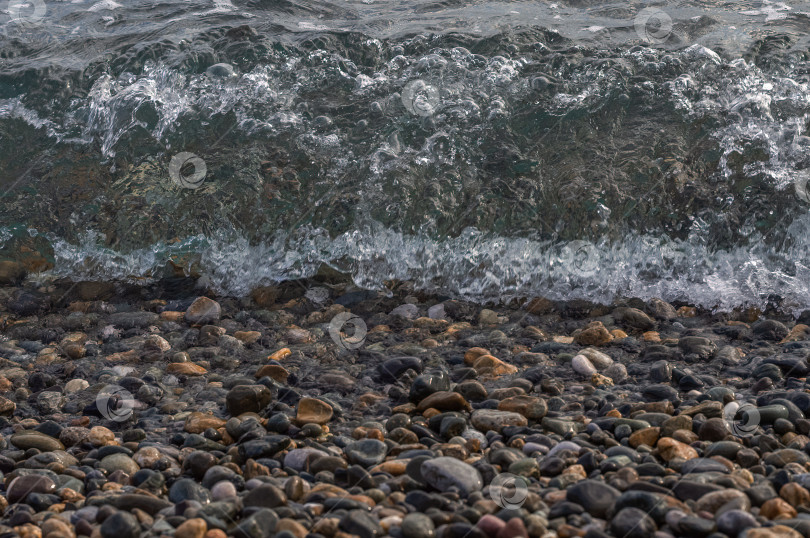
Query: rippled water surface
{"points": [[483, 149]]}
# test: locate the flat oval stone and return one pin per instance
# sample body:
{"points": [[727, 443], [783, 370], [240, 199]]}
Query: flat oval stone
{"points": [[446, 472], [703, 465], [33, 439], [366, 452], [21, 486], [595, 496]]}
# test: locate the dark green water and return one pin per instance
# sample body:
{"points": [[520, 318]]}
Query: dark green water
{"points": [[482, 149]]}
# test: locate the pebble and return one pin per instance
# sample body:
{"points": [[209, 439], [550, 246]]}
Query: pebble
{"points": [[445, 472], [248, 421]]}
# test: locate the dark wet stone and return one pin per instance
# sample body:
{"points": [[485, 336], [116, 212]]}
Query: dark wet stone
{"points": [[703, 465], [265, 496], [360, 523], [733, 522], [695, 526], [632, 523], [651, 503], [702, 347], [594, 496], [121, 525], [688, 489], [446, 472], [186, 489], [23, 485], [24, 303], [131, 320], [266, 447], [390, 370], [247, 399], [564, 508], [769, 329], [366, 452], [416, 525], [727, 449], [659, 392], [428, 383], [261, 524]]}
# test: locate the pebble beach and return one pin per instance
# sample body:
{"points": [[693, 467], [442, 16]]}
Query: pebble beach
{"points": [[318, 409]]}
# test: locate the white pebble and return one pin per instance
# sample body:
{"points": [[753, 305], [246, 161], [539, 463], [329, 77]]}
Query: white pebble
{"points": [[583, 366], [598, 359], [223, 490]]}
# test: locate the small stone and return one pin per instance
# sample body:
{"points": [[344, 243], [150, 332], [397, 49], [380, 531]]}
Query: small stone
{"points": [[444, 401], [594, 496], [671, 425], [416, 525], [247, 399], [101, 436], [186, 368], [489, 365], [191, 528], [445, 472], [313, 410], [203, 311], [199, 422], [485, 420], [120, 525], [795, 495], [777, 531], [598, 359], [632, 523], [531, 407], [670, 449], [514, 528], [266, 496], [714, 429], [360, 523], [777, 508], [644, 436], [366, 452], [595, 334], [291, 526], [274, 371], [733, 522], [583, 366], [119, 462], [633, 317], [223, 490]]}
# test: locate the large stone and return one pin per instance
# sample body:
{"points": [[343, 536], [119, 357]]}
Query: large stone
{"points": [[445, 472], [247, 399], [594, 496]]}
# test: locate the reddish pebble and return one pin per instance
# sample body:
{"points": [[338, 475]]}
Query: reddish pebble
{"points": [[514, 528], [490, 524]]}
